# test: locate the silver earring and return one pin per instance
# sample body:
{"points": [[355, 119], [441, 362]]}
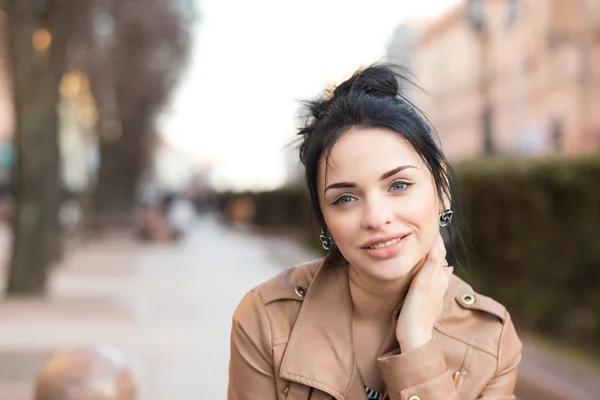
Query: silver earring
{"points": [[326, 241], [446, 217]]}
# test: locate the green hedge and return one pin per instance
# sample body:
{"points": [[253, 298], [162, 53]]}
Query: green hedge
{"points": [[534, 227], [284, 208], [288, 207], [535, 230]]}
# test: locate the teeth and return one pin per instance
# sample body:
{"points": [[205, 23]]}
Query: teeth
{"points": [[386, 244]]}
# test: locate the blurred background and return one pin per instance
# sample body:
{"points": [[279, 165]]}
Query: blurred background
{"points": [[149, 178]]}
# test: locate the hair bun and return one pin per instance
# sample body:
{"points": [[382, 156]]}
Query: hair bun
{"points": [[376, 80]]}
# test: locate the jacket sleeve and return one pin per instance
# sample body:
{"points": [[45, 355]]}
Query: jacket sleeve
{"points": [[251, 372], [502, 386], [422, 372]]}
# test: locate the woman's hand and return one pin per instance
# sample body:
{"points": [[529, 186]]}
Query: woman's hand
{"points": [[424, 301]]}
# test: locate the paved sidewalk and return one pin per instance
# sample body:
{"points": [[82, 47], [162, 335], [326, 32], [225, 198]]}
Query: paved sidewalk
{"points": [[548, 376], [167, 307]]}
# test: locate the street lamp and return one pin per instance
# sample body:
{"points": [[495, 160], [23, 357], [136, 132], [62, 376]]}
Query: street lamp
{"points": [[475, 15]]}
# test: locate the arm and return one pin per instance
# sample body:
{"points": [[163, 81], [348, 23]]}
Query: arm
{"points": [[422, 371], [419, 372], [251, 372], [502, 386]]}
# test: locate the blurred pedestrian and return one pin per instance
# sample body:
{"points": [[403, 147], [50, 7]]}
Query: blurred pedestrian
{"points": [[152, 222], [381, 315]]}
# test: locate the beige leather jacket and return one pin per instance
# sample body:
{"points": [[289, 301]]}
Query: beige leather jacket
{"points": [[291, 339]]}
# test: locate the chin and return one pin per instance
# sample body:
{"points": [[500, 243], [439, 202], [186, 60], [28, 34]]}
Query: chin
{"points": [[390, 269]]}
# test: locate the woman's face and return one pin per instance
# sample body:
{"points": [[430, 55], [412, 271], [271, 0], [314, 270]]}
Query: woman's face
{"points": [[379, 202]]}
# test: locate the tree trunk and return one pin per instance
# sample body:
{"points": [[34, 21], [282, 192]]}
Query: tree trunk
{"points": [[115, 190], [123, 162], [37, 189], [132, 75]]}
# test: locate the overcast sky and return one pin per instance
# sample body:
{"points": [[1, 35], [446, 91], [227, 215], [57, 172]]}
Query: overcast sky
{"points": [[252, 59]]}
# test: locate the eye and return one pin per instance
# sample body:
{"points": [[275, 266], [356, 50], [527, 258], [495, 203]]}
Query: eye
{"points": [[399, 185], [343, 199]]}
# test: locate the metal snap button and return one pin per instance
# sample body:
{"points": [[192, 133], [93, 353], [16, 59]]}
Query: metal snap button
{"points": [[300, 291], [467, 299], [286, 390], [455, 377], [414, 398]]}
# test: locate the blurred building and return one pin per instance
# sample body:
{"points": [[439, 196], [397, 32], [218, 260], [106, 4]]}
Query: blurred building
{"points": [[533, 65], [403, 39], [399, 49]]}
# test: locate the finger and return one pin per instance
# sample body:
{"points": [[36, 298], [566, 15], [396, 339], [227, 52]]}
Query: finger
{"points": [[434, 264], [437, 255]]}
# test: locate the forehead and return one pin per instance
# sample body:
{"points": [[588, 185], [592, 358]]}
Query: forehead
{"points": [[369, 152]]}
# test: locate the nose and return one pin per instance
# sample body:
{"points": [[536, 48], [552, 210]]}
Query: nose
{"points": [[377, 214]]}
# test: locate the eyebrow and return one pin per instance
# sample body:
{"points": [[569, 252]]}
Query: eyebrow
{"points": [[386, 175]]}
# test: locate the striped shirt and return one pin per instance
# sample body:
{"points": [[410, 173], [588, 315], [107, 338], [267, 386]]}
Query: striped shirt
{"points": [[373, 395]]}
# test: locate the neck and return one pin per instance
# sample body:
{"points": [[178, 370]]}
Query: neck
{"points": [[375, 300]]}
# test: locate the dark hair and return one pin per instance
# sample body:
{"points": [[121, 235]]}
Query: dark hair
{"points": [[372, 98]]}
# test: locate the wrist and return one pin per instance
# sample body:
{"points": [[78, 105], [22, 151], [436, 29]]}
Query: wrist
{"points": [[411, 342]]}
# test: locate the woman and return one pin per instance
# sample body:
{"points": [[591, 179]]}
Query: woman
{"points": [[381, 316]]}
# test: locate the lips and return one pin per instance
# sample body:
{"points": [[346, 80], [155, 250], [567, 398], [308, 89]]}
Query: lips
{"points": [[381, 249], [383, 241]]}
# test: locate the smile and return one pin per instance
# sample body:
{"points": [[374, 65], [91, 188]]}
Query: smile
{"points": [[385, 248], [385, 244]]}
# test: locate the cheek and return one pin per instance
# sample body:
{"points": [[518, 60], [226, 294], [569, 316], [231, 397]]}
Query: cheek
{"points": [[342, 225], [422, 212]]}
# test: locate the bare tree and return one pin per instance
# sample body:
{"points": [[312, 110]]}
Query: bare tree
{"points": [[137, 54]]}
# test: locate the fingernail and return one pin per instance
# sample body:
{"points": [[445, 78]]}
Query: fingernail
{"points": [[450, 270]]}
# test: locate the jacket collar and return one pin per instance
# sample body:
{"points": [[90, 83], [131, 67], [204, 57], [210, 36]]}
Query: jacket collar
{"points": [[319, 351]]}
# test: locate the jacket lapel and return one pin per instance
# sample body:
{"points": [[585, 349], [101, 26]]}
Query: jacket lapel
{"points": [[320, 352]]}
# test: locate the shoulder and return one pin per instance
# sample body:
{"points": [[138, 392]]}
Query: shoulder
{"points": [[277, 301], [477, 320], [291, 284]]}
